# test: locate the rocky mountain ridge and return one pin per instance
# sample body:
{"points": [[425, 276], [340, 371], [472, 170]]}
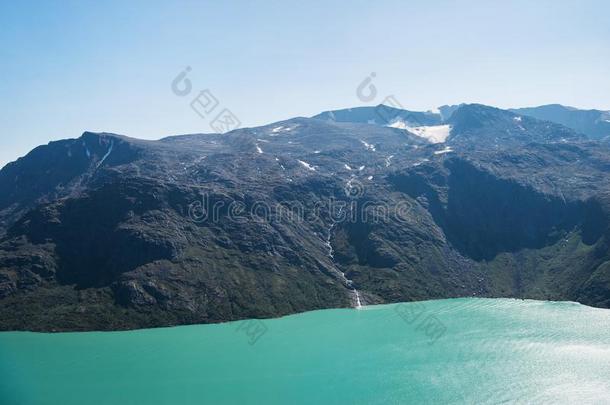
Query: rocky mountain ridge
{"points": [[366, 205]]}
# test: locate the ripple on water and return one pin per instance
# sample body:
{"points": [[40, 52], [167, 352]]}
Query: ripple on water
{"points": [[491, 351]]}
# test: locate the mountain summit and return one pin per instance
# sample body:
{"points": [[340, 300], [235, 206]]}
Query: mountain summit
{"points": [[351, 207]]}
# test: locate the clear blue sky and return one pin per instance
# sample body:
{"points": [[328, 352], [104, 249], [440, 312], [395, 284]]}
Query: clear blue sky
{"points": [[71, 66]]}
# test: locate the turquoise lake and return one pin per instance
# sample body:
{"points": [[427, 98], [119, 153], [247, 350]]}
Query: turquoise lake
{"points": [[459, 351]]}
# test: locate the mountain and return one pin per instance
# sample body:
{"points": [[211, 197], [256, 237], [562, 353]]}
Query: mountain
{"points": [[476, 125], [593, 123], [380, 115], [106, 232]]}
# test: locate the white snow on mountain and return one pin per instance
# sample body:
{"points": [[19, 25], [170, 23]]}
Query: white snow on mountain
{"points": [[277, 130], [368, 145], [420, 162], [433, 133], [307, 166], [106, 155], [446, 150]]}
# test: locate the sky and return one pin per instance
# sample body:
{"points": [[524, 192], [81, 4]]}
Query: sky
{"points": [[72, 66]]}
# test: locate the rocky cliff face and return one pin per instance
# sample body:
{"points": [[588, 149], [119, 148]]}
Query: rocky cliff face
{"points": [[106, 232]]}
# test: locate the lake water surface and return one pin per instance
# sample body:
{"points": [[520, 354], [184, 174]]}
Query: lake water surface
{"points": [[483, 351]]}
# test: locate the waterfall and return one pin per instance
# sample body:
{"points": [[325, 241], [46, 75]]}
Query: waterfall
{"points": [[348, 282]]}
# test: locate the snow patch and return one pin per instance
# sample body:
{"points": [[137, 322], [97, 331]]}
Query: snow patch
{"points": [[446, 150], [106, 155], [87, 152], [307, 166], [420, 162], [518, 120], [368, 145], [433, 133], [400, 124], [277, 130]]}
